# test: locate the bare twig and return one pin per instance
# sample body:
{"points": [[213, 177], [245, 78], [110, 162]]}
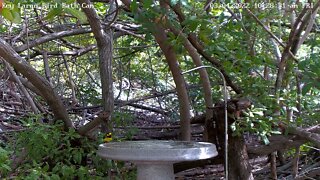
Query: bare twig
{"points": [[22, 88], [50, 37], [270, 33], [295, 164]]}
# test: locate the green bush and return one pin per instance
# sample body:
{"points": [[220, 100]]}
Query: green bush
{"points": [[52, 153], [4, 162]]}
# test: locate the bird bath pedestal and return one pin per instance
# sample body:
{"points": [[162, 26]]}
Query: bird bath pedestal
{"points": [[155, 159]]}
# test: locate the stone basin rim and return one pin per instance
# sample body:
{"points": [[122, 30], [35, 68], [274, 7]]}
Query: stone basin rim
{"points": [[157, 150]]}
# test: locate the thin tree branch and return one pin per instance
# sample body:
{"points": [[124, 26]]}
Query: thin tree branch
{"points": [[270, 33], [21, 87], [87, 128], [50, 37]]}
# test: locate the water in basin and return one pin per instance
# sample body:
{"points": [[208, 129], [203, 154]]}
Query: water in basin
{"points": [[163, 151]]}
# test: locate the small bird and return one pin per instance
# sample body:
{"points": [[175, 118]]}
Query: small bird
{"points": [[107, 137]]}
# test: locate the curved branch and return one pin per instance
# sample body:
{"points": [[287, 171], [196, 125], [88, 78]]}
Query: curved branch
{"points": [[50, 37], [25, 82], [312, 137], [47, 92], [22, 88], [87, 128]]}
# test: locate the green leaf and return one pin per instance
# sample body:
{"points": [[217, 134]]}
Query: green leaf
{"points": [[134, 6], [259, 113], [276, 132], [54, 12], [5, 167], [147, 3], [46, 167], [12, 15], [70, 1], [77, 156], [54, 177], [184, 2], [16, 15], [6, 13], [192, 22], [77, 13], [109, 163], [265, 139], [174, 2], [294, 109], [306, 88]]}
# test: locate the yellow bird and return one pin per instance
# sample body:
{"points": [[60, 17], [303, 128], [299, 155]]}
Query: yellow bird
{"points": [[107, 138]]}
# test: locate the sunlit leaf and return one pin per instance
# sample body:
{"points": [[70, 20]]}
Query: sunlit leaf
{"points": [[306, 88], [174, 2], [12, 15], [6, 13], [16, 17], [54, 12], [265, 139], [276, 132], [77, 13]]}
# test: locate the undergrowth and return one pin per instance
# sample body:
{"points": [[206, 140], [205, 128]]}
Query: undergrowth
{"points": [[44, 151]]}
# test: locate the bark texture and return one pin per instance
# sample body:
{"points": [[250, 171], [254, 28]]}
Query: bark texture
{"points": [[172, 61], [238, 159], [104, 38], [44, 87]]}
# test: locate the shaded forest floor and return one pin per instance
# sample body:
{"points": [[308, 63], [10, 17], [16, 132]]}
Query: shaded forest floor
{"points": [[143, 126], [156, 127]]}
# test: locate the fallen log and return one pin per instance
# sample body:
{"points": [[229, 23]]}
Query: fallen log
{"points": [[303, 133], [277, 142]]}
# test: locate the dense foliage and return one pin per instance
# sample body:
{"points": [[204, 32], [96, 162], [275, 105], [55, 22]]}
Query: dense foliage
{"points": [[55, 154]]}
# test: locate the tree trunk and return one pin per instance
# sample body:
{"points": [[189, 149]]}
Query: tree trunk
{"points": [[204, 78], [239, 166], [105, 62], [104, 40], [238, 159], [168, 50], [172, 61]]}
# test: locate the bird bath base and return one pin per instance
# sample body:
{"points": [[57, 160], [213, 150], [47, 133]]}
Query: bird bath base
{"points": [[153, 171], [155, 159]]}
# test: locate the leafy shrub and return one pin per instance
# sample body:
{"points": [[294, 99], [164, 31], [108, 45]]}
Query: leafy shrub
{"points": [[4, 162], [51, 153]]}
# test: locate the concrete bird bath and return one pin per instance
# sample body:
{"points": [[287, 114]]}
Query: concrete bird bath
{"points": [[155, 159]]}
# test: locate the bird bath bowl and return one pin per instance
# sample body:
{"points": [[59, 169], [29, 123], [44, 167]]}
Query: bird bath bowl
{"points": [[155, 159]]}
